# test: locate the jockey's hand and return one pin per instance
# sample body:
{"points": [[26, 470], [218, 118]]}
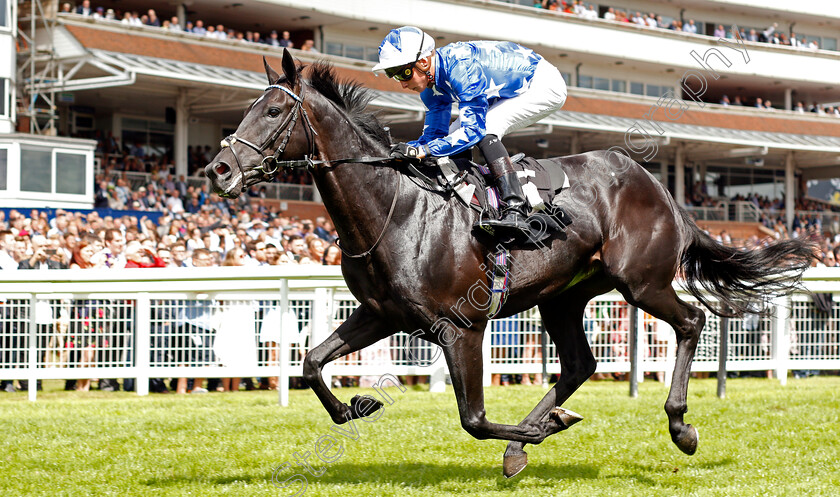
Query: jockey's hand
{"points": [[404, 151]]}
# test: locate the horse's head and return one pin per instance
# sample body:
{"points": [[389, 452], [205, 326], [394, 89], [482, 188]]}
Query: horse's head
{"points": [[275, 128]]}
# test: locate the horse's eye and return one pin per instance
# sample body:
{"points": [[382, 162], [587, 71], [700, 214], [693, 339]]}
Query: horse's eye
{"points": [[273, 112]]}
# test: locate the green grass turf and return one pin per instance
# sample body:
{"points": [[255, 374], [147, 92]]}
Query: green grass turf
{"points": [[763, 439]]}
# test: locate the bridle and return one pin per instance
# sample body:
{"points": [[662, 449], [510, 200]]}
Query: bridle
{"points": [[270, 164]]}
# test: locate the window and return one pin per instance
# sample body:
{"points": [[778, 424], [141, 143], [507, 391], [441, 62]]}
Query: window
{"points": [[333, 48], [584, 81], [70, 173], [4, 13], [637, 88], [36, 170], [619, 86], [3, 94], [601, 84], [4, 161], [829, 43], [354, 52], [567, 77]]}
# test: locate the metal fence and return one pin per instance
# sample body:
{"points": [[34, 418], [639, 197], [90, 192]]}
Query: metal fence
{"points": [[235, 322]]}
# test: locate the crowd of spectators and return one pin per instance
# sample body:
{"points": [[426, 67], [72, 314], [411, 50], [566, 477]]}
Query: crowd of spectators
{"points": [[654, 20], [274, 38], [218, 233]]}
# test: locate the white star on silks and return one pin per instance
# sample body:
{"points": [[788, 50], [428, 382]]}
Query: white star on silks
{"points": [[435, 91], [524, 51], [459, 136], [493, 89], [522, 89]]}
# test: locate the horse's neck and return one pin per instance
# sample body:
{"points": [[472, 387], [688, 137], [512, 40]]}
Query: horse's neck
{"points": [[357, 196]]}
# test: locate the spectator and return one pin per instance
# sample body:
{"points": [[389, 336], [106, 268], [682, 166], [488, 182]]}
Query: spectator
{"points": [[609, 15], [690, 27], [152, 19], [84, 9], [174, 24], [199, 28], [332, 256], [43, 256], [720, 32], [7, 246], [112, 255], [309, 46]]}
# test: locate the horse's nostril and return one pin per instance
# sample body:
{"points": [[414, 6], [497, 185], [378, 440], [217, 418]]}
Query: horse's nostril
{"points": [[221, 168]]}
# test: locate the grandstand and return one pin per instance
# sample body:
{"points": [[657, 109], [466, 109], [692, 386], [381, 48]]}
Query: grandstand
{"points": [[663, 92]]}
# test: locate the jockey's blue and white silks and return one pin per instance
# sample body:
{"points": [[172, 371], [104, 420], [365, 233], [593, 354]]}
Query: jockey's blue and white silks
{"points": [[498, 86]]}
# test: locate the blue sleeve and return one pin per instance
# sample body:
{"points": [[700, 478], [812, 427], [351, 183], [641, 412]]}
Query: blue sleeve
{"points": [[469, 83], [438, 115]]}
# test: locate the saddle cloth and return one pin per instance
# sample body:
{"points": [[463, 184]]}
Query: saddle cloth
{"points": [[542, 181]]}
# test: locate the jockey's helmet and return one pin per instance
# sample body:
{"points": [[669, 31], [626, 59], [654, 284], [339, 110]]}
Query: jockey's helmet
{"points": [[403, 46]]}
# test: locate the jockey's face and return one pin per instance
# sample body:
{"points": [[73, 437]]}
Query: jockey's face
{"points": [[419, 81]]}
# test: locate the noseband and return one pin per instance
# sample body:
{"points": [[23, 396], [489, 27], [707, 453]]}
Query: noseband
{"points": [[270, 164]]}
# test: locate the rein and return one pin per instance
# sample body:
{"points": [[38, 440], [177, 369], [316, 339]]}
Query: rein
{"points": [[271, 164]]}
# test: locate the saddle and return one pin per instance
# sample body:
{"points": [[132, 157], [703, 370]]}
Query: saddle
{"points": [[542, 181]]}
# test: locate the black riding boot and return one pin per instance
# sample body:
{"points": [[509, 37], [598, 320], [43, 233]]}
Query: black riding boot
{"points": [[514, 210]]}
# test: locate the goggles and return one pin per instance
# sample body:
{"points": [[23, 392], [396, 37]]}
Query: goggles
{"points": [[401, 73]]}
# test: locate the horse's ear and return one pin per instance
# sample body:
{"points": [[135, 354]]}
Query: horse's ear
{"points": [[271, 73], [289, 68]]}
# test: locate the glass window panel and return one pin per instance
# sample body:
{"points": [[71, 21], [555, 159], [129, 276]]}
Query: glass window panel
{"points": [[4, 160], [601, 84], [584, 81], [354, 52], [567, 77], [2, 94], [372, 54], [652, 90], [619, 85], [829, 43], [70, 173], [4, 7], [35, 170], [333, 48], [637, 88]]}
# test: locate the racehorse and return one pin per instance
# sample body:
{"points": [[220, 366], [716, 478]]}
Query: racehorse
{"points": [[411, 260]]}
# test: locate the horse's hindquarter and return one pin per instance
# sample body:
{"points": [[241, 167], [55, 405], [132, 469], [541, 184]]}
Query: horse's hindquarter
{"points": [[616, 208]]}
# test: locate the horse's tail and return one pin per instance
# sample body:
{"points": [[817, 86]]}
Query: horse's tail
{"points": [[740, 278]]}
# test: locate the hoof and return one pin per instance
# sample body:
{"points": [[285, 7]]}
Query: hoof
{"points": [[364, 405], [565, 417], [514, 464], [687, 440]]}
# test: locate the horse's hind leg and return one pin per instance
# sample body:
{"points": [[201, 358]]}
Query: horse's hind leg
{"points": [[563, 321], [687, 321]]}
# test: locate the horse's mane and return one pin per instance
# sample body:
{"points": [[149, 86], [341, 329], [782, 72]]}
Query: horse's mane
{"points": [[351, 97]]}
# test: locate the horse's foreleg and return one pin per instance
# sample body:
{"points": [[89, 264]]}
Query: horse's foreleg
{"points": [[361, 329], [563, 321], [464, 359]]}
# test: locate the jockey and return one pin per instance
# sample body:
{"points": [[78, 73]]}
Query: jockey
{"points": [[499, 87]]}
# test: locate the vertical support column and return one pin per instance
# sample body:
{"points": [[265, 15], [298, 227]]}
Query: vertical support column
{"points": [[285, 352], [321, 312], [32, 349], [486, 351], [142, 343], [679, 174], [790, 189], [182, 117], [544, 350], [723, 349], [663, 171], [780, 338], [575, 147], [788, 98], [635, 340], [181, 12]]}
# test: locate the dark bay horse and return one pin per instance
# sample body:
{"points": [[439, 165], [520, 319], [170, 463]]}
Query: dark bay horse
{"points": [[418, 264]]}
